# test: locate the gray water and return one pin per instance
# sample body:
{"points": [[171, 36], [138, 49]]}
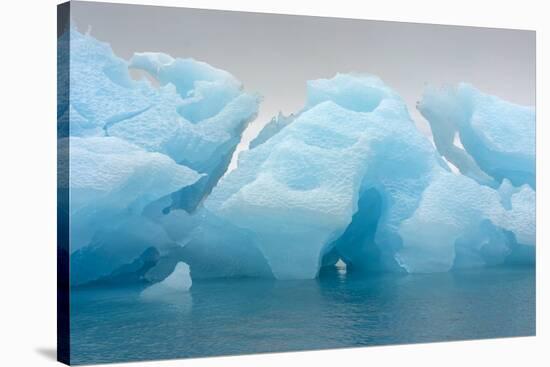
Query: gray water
{"points": [[228, 317]]}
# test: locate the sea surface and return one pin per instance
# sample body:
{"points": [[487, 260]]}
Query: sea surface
{"points": [[241, 316]]}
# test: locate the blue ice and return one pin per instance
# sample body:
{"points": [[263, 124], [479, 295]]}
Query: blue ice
{"points": [[349, 178], [137, 147]]}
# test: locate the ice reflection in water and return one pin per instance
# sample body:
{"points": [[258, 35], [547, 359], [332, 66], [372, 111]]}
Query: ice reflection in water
{"points": [[219, 317]]}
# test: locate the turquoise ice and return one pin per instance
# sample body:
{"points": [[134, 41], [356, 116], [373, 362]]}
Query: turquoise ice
{"points": [[134, 144], [498, 136], [348, 178], [351, 178], [195, 116]]}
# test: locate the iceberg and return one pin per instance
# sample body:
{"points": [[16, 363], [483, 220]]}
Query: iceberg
{"points": [[111, 181], [351, 178], [298, 191], [460, 223], [111, 172], [498, 137], [216, 248], [195, 117], [347, 181], [138, 151]]}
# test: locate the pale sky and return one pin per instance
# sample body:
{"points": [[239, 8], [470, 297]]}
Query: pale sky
{"points": [[274, 55]]}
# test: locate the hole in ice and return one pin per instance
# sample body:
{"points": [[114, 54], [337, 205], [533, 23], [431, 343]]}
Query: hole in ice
{"points": [[341, 267]]}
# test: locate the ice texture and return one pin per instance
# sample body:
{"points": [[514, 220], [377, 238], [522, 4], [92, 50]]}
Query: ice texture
{"points": [[195, 117], [298, 191], [351, 178], [457, 216], [136, 147], [347, 181], [108, 172], [498, 136]]}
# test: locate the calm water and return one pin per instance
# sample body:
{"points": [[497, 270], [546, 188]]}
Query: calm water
{"points": [[249, 316]]}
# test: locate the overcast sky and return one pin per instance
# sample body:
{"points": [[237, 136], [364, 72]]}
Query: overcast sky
{"points": [[274, 55]]}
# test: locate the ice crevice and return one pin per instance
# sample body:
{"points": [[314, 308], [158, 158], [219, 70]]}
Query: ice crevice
{"points": [[111, 121]]}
